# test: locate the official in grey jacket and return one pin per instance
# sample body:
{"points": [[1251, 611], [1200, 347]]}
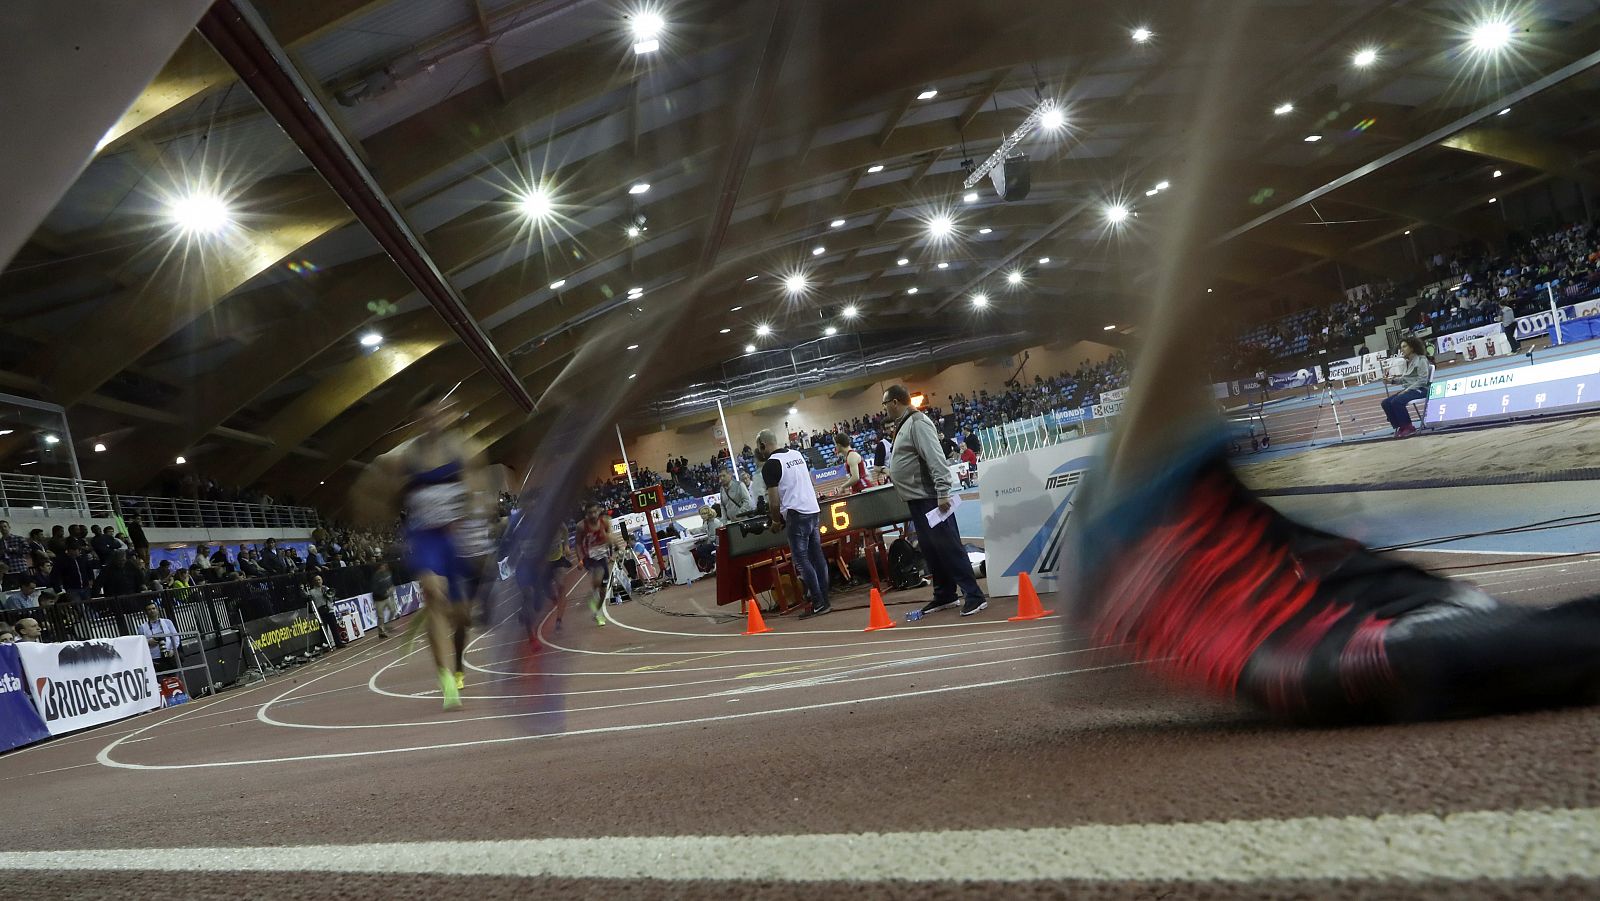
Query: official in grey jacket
{"points": [[917, 467], [736, 500]]}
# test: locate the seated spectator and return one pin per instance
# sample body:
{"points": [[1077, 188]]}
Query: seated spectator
{"points": [[7, 636], [25, 597], [28, 629]]}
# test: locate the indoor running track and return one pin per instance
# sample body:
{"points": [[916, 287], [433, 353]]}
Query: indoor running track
{"points": [[668, 756]]}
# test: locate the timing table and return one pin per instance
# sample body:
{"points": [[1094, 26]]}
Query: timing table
{"points": [[751, 551]]}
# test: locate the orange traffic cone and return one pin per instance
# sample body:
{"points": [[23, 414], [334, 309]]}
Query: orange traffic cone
{"points": [[1028, 606], [879, 617], [754, 624]]}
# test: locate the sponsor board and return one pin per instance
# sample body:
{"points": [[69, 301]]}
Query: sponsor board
{"points": [[407, 599], [360, 607], [283, 635], [1536, 324], [1069, 417], [1106, 409], [1027, 503], [1299, 378], [1516, 391], [1344, 369], [1483, 348], [77, 684], [172, 693], [20, 723], [1455, 341]]}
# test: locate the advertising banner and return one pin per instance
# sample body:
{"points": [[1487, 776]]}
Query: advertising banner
{"points": [[77, 684], [283, 635], [1027, 502], [1300, 378], [360, 607], [1452, 343], [1536, 324], [1344, 369], [1517, 390], [1482, 348], [172, 693], [20, 723], [1069, 417], [407, 598]]}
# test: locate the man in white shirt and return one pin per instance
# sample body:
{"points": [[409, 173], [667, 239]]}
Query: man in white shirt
{"points": [[163, 637], [792, 505]]}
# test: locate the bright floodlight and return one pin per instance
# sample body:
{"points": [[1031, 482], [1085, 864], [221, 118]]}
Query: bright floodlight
{"points": [[749, 348], [633, 375], [1108, 328], [180, 461], [1014, 277], [914, 289], [929, 94], [1498, 173], [633, 231], [752, 278], [535, 204], [647, 25], [1116, 213], [52, 439], [1163, 185], [837, 223], [848, 312], [1312, 139], [902, 261], [985, 230], [1283, 109], [793, 411], [99, 448], [1053, 119], [371, 339], [830, 331], [795, 283], [818, 251], [941, 226], [1504, 111], [635, 291], [200, 213], [724, 331], [1491, 37], [944, 265], [970, 197], [1044, 261], [1142, 35], [980, 300], [736, 309], [876, 167], [556, 285], [1364, 57], [639, 188], [633, 347]]}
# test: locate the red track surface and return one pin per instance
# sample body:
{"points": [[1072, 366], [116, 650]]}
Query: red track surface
{"points": [[818, 728]]}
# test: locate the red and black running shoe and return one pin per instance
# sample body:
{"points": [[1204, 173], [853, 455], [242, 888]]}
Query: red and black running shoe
{"points": [[1215, 590]]}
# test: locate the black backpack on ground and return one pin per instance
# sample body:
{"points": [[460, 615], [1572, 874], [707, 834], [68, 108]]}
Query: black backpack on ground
{"points": [[905, 565]]}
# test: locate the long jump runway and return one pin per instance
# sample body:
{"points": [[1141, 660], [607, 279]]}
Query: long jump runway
{"points": [[670, 756]]}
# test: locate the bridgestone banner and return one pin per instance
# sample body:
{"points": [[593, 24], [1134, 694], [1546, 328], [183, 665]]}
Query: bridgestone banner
{"points": [[283, 635], [77, 684]]}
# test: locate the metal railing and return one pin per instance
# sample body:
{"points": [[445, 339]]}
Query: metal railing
{"points": [[183, 513], [1035, 432], [20, 494]]}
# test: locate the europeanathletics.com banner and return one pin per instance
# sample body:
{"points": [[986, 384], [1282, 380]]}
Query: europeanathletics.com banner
{"points": [[76, 684]]}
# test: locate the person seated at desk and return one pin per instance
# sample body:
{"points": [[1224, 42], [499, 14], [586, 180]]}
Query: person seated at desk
{"points": [[705, 546]]}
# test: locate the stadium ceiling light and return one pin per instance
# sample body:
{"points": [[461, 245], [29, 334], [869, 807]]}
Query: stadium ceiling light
{"points": [[556, 285], [818, 251], [639, 188], [647, 27], [52, 439], [1142, 35], [1116, 213], [724, 331], [1494, 200], [1504, 111], [1312, 139], [736, 309], [913, 289], [633, 375], [1054, 118], [793, 411], [980, 300], [1163, 185], [371, 339], [1364, 57], [874, 168], [1209, 290], [200, 212], [1408, 231], [5, 432], [1044, 261], [641, 47], [633, 347], [941, 226], [535, 204], [985, 230], [752, 278], [1491, 36], [763, 330], [1497, 174], [99, 448], [1283, 109], [902, 261], [837, 223], [180, 461], [944, 265], [970, 197], [1109, 328], [1014, 277], [1151, 193], [795, 283], [929, 94], [830, 331], [749, 348], [633, 231], [849, 312], [635, 292]]}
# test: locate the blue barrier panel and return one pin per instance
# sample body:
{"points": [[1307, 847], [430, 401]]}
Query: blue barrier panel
{"points": [[19, 719]]}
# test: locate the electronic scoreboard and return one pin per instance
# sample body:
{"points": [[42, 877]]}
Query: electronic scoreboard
{"points": [[871, 509]]}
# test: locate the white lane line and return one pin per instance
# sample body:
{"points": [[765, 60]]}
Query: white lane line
{"points": [[1479, 845], [611, 617], [104, 757], [891, 637]]}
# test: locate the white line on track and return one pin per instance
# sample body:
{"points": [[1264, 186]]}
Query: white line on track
{"points": [[105, 758], [1479, 845]]}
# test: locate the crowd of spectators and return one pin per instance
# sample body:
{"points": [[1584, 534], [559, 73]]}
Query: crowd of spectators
{"points": [[187, 484], [1478, 282], [1337, 329]]}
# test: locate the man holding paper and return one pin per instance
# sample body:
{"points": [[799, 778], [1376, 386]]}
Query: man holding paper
{"points": [[919, 473]]}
